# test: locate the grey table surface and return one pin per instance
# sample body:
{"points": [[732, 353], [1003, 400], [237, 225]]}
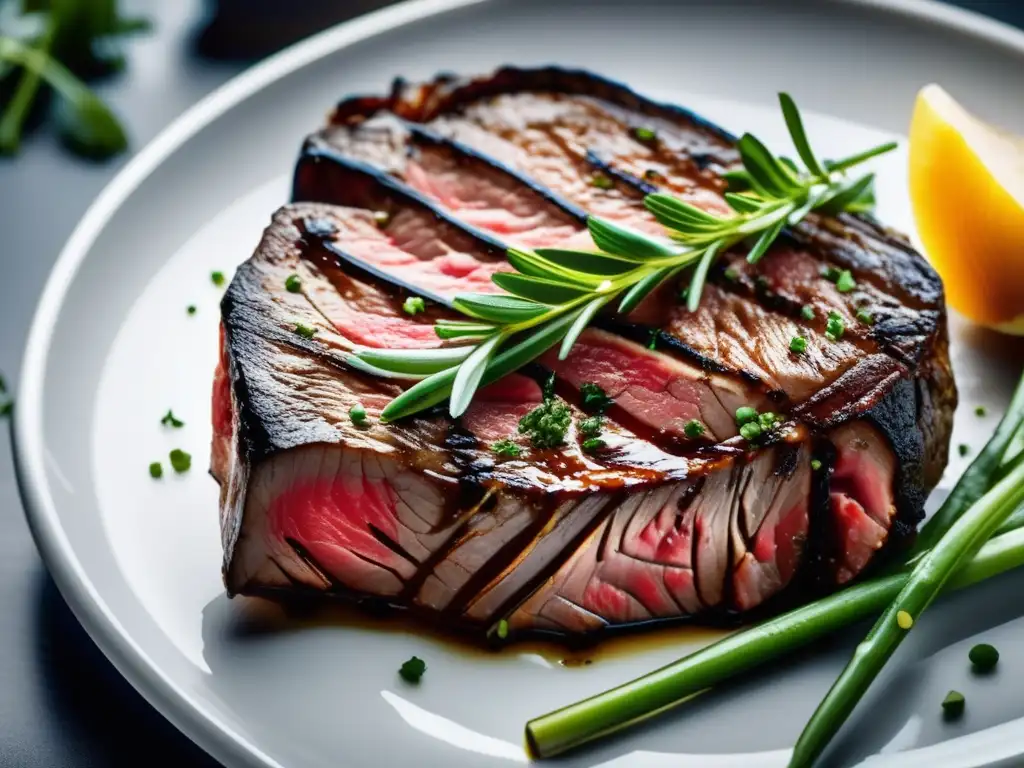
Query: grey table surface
{"points": [[61, 702]]}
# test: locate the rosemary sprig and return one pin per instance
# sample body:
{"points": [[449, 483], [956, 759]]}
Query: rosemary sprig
{"points": [[554, 294]]}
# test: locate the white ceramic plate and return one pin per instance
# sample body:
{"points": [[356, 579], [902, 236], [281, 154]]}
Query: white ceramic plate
{"points": [[112, 348]]}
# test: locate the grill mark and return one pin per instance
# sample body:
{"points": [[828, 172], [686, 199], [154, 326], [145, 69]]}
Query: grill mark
{"points": [[304, 555], [412, 587], [391, 544], [524, 593], [498, 562]]}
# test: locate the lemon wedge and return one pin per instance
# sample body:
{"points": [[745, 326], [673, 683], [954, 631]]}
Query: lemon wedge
{"points": [[967, 193]]}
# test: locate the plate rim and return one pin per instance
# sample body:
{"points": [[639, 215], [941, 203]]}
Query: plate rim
{"points": [[204, 727]]}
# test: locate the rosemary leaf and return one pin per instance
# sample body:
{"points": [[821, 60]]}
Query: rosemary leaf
{"points": [[470, 373], [796, 131], [700, 274], [598, 264], [415, 361], [538, 289], [580, 325], [498, 308]]}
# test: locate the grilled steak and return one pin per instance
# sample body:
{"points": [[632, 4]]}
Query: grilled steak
{"points": [[422, 193]]}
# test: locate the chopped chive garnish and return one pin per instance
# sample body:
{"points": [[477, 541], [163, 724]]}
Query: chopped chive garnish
{"points": [[293, 284], [745, 414], [156, 470], [807, 312], [191, 309], [798, 345], [601, 181], [732, 274], [769, 420], [506, 448], [305, 331], [412, 670], [643, 134], [953, 705], [358, 415], [414, 305], [180, 461], [593, 444], [983, 657], [594, 398], [904, 620], [865, 317], [217, 278], [750, 431], [845, 282], [502, 630], [980, 410], [834, 327], [831, 273], [963, 449], [170, 420], [381, 218], [547, 424], [653, 341], [591, 426], [815, 464], [693, 429]]}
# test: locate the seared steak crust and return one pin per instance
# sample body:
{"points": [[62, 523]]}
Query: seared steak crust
{"points": [[421, 193]]}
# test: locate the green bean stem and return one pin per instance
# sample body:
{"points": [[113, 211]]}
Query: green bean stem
{"points": [[923, 584], [731, 656]]}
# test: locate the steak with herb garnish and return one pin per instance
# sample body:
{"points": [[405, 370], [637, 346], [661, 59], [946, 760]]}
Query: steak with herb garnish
{"points": [[649, 502]]}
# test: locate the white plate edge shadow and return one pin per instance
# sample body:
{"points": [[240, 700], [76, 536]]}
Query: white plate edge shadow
{"points": [[202, 726]]}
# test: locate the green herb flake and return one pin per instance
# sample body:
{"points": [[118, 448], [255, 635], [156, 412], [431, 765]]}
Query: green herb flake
{"points": [[963, 449], [807, 312], [750, 431], [156, 470], [592, 444], [984, 657], [414, 305], [502, 630], [358, 415], [591, 426], [601, 181], [845, 282], [745, 414], [547, 424], [180, 461], [293, 284], [864, 317], [305, 331], [170, 420], [769, 420], [594, 398], [831, 274], [815, 464], [834, 327], [693, 429], [507, 448], [980, 410], [732, 274], [652, 175], [644, 135], [798, 345], [217, 278], [191, 309], [953, 705], [412, 670]]}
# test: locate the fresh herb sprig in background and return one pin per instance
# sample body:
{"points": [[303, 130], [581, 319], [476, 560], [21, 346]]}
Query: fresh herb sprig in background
{"points": [[554, 293], [53, 45]]}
